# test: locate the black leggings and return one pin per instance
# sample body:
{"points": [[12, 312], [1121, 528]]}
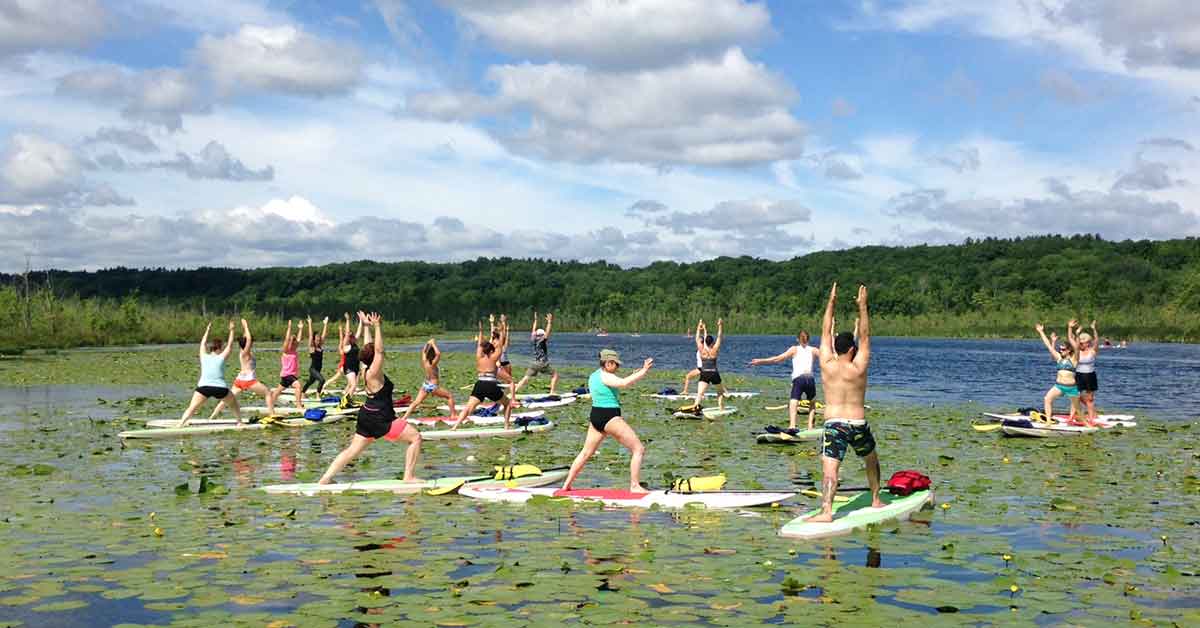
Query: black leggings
{"points": [[314, 376]]}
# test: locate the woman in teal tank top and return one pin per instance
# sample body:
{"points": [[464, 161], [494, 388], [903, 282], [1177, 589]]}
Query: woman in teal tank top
{"points": [[606, 419], [212, 376]]}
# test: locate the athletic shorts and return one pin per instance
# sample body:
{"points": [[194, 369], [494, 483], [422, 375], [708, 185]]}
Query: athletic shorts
{"points": [[244, 384], [711, 377], [505, 363], [213, 392], [1068, 391], [804, 387], [601, 416], [1086, 382], [428, 387], [487, 389], [841, 436], [287, 381], [372, 426], [537, 368], [396, 429]]}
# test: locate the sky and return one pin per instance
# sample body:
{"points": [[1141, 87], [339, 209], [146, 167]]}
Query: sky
{"points": [[246, 133]]}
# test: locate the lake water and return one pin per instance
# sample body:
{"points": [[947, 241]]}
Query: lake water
{"points": [[1161, 380]]}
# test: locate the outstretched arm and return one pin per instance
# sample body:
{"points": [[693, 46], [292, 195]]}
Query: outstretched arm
{"points": [[204, 338], [437, 353], [1095, 337], [228, 343], [776, 359], [358, 333], [246, 333], [479, 341], [549, 324], [720, 334], [614, 381], [287, 335], [1041, 330], [863, 329], [1072, 336], [533, 327], [827, 326], [324, 327], [375, 371], [700, 335]]}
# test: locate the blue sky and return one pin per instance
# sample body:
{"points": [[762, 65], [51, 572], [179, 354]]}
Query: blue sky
{"points": [[247, 133]]}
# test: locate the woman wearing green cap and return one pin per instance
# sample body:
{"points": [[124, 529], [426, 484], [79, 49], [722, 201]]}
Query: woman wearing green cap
{"points": [[606, 417]]}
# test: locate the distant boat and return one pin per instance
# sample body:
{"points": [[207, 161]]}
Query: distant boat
{"points": [[602, 334], [635, 335]]}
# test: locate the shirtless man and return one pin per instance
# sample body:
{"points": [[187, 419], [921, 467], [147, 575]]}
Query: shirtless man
{"points": [[486, 385], [844, 374]]}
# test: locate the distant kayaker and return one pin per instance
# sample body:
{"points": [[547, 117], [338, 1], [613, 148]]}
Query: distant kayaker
{"points": [[803, 384], [212, 376], [1065, 361], [377, 416], [540, 339], [606, 419], [844, 375]]}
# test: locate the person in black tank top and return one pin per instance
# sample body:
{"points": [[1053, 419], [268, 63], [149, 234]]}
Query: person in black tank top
{"points": [[351, 367], [377, 416], [316, 357]]}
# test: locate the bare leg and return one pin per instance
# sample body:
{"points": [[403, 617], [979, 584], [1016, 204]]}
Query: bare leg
{"points": [[262, 389], [829, 482], [792, 404], [411, 436], [231, 400], [1089, 398], [221, 405], [721, 396], [1051, 395], [872, 462], [521, 384], [1074, 408], [590, 444], [296, 386], [472, 403], [812, 412], [620, 430], [357, 444], [687, 380], [421, 394], [351, 384], [506, 402], [447, 395], [701, 387], [553, 381], [196, 402]]}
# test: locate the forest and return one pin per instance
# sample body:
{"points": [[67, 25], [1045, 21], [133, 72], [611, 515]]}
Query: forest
{"points": [[988, 287]]}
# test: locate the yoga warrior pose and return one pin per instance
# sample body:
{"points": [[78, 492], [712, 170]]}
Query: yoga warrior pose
{"points": [[377, 417], [500, 341], [316, 356], [350, 368], [803, 384], [1085, 370], [709, 349], [844, 375], [212, 376], [687, 377], [486, 384], [431, 357], [606, 419], [1065, 360], [540, 339], [289, 365], [246, 378]]}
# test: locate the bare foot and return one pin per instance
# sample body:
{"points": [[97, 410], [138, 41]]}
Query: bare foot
{"points": [[182, 423], [821, 517], [877, 503], [565, 487], [639, 489], [413, 479]]}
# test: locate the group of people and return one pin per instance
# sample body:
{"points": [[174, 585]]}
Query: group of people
{"points": [[1075, 366]]}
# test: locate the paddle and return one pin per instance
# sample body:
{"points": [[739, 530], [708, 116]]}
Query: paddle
{"points": [[812, 493], [505, 473], [1034, 417]]}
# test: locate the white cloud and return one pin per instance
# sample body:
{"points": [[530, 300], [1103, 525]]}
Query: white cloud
{"points": [[158, 96], [745, 218], [726, 111], [215, 162], [35, 171], [283, 58], [29, 25], [627, 34], [130, 139]]}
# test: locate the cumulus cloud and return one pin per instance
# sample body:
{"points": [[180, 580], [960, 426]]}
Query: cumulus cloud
{"points": [[131, 139], [724, 111], [283, 58], [752, 217], [1151, 174], [30, 25], [1114, 215], [158, 96], [215, 162], [603, 33], [643, 207], [38, 172]]}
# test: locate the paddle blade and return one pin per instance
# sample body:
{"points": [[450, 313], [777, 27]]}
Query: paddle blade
{"points": [[449, 488], [812, 493], [990, 427]]}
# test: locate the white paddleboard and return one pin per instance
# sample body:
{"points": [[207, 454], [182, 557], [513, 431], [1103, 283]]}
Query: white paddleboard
{"points": [[1040, 431], [400, 487], [200, 430], [625, 499], [484, 432], [713, 395], [783, 438], [476, 420], [856, 513], [709, 413]]}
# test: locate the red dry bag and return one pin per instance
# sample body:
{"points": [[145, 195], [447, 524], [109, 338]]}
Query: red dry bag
{"points": [[907, 482]]}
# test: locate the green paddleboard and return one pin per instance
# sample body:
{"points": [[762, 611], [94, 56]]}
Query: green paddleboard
{"points": [[856, 513]]}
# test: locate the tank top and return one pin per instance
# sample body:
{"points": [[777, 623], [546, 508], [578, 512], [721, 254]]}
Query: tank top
{"points": [[378, 405], [317, 358], [802, 362], [352, 359], [289, 364], [212, 370], [603, 396], [1086, 365], [708, 364]]}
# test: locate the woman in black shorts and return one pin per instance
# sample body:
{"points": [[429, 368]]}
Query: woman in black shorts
{"points": [[487, 386], [212, 376]]}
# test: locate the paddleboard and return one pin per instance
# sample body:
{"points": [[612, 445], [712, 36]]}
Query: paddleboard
{"points": [[476, 420], [1045, 431], [287, 409], [625, 499], [713, 395], [400, 487], [529, 405], [783, 438], [485, 431], [200, 430], [1104, 420], [856, 513], [709, 413], [561, 396], [229, 420]]}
